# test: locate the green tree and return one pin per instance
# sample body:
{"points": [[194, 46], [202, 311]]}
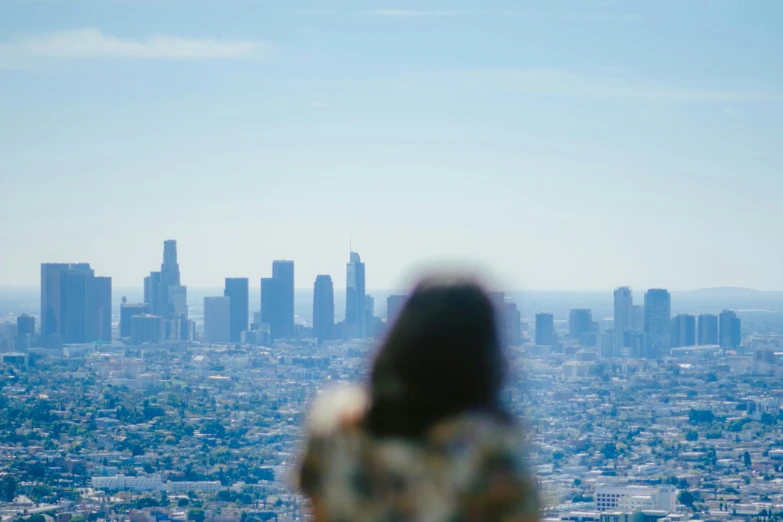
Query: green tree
{"points": [[746, 458], [686, 498], [8, 487], [692, 436], [182, 502], [196, 515], [146, 502], [610, 450]]}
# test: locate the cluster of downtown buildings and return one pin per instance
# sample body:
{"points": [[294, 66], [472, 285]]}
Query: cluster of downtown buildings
{"points": [[76, 308], [643, 331]]}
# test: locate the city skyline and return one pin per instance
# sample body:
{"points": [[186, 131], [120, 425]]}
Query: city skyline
{"points": [[405, 281], [514, 140]]}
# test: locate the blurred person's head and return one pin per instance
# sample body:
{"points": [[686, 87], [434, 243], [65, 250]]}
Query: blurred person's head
{"points": [[442, 357]]}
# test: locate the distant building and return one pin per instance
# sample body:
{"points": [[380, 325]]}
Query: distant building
{"points": [[80, 311], [178, 301], [126, 312], [25, 325], [123, 483], [708, 329], [277, 300], [610, 498], [545, 329], [169, 280], [237, 289], [513, 324], [623, 310], [146, 381], [355, 295], [151, 289], [146, 328], [610, 343], [73, 304], [103, 309], [637, 318], [369, 306], [53, 300], [271, 308], [657, 322], [394, 304], [636, 342], [580, 322], [163, 290], [203, 486], [283, 271], [217, 319], [323, 308], [730, 329], [683, 330]]}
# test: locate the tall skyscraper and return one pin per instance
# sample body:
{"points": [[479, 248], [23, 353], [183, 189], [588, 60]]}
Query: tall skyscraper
{"points": [[683, 330], [283, 271], [369, 307], [103, 309], [657, 322], [580, 321], [623, 310], [151, 290], [271, 308], [163, 290], [323, 308], [237, 289], [708, 329], [127, 311], [730, 329], [53, 300], [545, 329], [513, 324], [355, 296], [217, 319], [75, 305], [80, 314], [394, 304], [169, 276]]}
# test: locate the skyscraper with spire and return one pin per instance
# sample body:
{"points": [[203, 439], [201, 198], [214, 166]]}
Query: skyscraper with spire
{"points": [[165, 294], [356, 298]]}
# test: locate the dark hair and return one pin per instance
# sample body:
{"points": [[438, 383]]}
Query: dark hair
{"points": [[442, 357]]}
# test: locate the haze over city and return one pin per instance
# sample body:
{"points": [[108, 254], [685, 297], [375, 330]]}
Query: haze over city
{"points": [[215, 217], [563, 145]]}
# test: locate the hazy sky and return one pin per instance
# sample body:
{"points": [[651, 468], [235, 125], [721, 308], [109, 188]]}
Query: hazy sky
{"points": [[561, 145]]}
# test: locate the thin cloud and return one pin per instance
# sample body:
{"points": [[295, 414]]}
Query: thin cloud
{"points": [[578, 17], [568, 83], [317, 12], [412, 13], [93, 43]]}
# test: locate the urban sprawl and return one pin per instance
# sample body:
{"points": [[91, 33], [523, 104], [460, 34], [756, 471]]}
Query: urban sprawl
{"points": [[145, 414]]}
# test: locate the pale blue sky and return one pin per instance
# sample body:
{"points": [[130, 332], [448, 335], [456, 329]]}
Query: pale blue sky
{"points": [[559, 145]]}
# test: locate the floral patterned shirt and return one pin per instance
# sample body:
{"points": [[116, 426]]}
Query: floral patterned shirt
{"points": [[469, 468]]}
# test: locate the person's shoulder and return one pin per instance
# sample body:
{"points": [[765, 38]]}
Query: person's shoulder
{"points": [[336, 409]]}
